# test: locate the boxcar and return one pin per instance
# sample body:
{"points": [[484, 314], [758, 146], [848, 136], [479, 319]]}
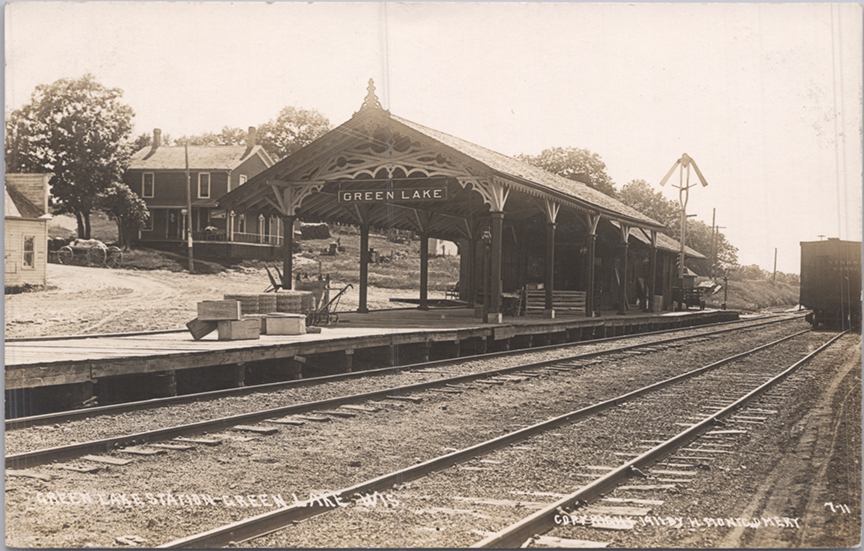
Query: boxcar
{"points": [[831, 282]]}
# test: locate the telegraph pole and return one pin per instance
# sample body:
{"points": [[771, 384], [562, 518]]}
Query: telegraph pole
{"points": [[189, 211], [774, 280]]}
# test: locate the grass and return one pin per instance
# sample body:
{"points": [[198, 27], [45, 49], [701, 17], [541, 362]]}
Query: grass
{"points": [[754, 295], [101, 227], [403, 272]]}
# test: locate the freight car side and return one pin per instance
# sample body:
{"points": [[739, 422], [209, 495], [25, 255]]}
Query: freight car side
{"points": [[831, 282]]}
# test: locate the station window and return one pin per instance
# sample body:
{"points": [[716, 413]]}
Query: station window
{"points": [[148, 183], [29, 254], [204, 185], [241, 223]]}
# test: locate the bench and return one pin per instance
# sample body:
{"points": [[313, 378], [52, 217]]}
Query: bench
{"points": [[562, 301]]}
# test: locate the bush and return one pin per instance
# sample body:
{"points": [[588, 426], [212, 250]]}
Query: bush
{"points": [[314, 231]]}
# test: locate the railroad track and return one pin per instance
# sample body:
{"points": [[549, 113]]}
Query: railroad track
{"points": [[451, 384], [114, 409], [563, 511], [731, 398]]}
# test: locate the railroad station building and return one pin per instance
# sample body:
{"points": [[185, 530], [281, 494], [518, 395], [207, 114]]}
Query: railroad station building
{"points": [[518, 227]]}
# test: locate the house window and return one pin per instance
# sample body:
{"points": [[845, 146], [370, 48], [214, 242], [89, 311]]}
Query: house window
{"points": [[242, 179], [29, 255], [148, 181], [204, 185], [241, 224]]}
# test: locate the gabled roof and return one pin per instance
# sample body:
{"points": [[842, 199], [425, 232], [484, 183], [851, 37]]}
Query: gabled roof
{"points": [[17, 204], [215, 157], [508, 166]]}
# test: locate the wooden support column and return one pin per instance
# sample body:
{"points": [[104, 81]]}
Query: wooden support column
{"points": [[592, 219], [495, 276], [424, 271], [550, 209], [549, 311], [471, 284], [652, 268], [622, 287], [288, 252], [364, 268]]}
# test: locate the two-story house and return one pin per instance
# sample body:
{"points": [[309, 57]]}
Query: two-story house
{"points": [[158, 175]]}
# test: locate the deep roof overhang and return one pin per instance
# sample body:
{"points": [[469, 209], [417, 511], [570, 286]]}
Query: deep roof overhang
{"points": [[374, 149]]}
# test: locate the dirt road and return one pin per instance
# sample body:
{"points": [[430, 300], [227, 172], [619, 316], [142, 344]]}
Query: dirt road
{"points": [[81, 300]]}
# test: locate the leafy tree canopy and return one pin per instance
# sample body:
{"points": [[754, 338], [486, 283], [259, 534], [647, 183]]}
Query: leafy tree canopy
{"points": [[79, 130], [292, 129], [228, 136], [639, 195], [123, 205], [571, 163]]}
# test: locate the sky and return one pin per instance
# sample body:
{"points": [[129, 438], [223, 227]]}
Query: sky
{"points": [[766, 98]]}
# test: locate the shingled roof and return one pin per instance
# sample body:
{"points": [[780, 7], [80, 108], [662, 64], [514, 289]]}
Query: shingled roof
{"points": [[17, 204], [215, 157], [509, 166]]}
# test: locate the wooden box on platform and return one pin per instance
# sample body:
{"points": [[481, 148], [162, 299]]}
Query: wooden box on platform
{"points": [[237, 330], [285, 324], [261, 320], [200, 328], [219, 310]]}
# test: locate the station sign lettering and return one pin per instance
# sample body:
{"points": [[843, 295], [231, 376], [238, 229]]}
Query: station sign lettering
{"points": [[392, 195]]}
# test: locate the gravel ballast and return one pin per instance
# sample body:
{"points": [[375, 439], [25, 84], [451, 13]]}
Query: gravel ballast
{"points": [[318, 457]]}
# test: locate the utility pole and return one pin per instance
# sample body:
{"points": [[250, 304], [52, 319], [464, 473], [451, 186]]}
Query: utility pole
{"points": [[713, 242], [189, 211], [774, 281]]}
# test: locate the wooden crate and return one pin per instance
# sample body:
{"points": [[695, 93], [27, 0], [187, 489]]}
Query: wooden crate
{"points": [[285, 324], [200, 328], [219, 310], [239, 330]]}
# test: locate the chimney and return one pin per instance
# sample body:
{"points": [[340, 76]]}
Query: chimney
{"points": [[157, 137], [251, 137]]}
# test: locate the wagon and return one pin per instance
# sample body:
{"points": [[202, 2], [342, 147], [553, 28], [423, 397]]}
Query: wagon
{"points": [[90, 252]]}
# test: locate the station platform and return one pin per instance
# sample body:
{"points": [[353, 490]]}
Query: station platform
{"points": [[358, 341]]}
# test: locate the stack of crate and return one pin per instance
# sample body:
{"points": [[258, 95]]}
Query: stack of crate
{"points": [[226, 317], [267, 303], [288, 301], [248, 303]]}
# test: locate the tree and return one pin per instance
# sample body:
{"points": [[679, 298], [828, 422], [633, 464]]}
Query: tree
{"points": [[290, 130], [228, 136], [639, 195], [77, 129], [146, 140], [123, 205], [571, 162]]}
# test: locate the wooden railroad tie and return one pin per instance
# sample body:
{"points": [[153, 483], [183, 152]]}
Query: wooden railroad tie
{"points": [[202, 441], [104, 459], [412, 399], [256, 430], [137, 450]]}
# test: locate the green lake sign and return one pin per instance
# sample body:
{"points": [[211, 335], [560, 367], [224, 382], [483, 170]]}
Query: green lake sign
{"points": [[393, 195]]}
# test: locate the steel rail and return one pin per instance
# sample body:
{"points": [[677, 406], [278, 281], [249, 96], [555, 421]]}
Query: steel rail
{"points": [[47, 455], [272, 521], [543, 520], [63, 416]]}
